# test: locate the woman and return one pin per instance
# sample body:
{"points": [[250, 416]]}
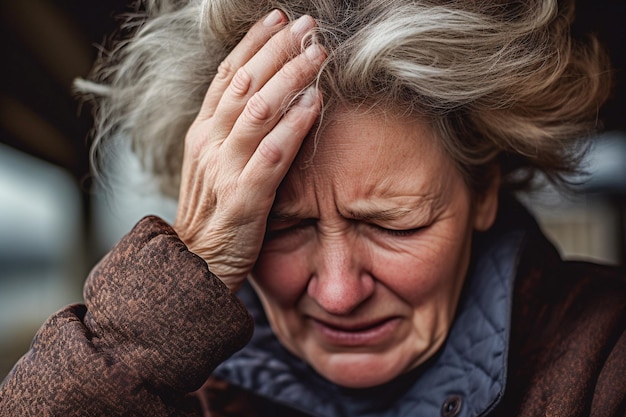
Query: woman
{"points": [[347, 173]]}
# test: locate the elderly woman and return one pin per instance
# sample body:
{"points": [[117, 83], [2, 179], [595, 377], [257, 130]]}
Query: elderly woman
{"points": [[346, 175]]}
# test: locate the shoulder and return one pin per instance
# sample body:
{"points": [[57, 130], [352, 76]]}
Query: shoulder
{"points": [[568, 347], [555, 295]]}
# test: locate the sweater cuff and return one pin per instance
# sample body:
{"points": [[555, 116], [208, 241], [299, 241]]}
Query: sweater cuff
{"points": [[154, 306]]}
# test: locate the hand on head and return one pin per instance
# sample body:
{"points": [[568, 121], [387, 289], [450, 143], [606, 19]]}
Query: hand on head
{"points": [[243, 142]]}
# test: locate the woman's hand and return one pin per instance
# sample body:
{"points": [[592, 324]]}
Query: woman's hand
{"points": [[243, 142]]}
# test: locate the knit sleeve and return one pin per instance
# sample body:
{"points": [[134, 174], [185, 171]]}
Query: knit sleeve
{"points": [[154, 325], [609, 397]]}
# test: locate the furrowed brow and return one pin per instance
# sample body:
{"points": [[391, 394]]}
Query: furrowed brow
{"points": [[281, 216]]}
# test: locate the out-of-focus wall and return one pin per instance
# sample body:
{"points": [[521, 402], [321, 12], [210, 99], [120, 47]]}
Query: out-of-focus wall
{"points": [[589, 224], [42, 251]]}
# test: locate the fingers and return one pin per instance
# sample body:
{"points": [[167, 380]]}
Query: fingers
{"points": [[267, 130], [267, 106], [260, 68], [252, 119], [258, 35], [276, 152]]}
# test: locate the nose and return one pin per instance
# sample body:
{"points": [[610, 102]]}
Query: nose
{"points": [[341, 281]]}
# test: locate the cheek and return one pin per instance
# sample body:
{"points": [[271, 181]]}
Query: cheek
{"points": [[281, 277], [426, 269]]}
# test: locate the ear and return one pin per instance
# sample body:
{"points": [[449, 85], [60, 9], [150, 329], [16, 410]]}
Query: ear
{"points": [[486, 203]]}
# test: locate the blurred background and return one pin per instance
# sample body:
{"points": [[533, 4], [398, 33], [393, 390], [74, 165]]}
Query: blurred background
{"points": [[54, 225]]}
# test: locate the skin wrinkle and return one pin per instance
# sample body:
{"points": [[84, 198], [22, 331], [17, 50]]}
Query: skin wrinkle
{"points": [[375, 158]]}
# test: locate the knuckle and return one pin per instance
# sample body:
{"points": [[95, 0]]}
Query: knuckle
{"points": [[299, 118], [295, 121], [224, 71], [270, 152], [257, 110], [198, 142], [194, 141], [241, 81], [293, 71]]}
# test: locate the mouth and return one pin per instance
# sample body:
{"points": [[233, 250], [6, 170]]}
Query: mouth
{"points": [[356, 334]]}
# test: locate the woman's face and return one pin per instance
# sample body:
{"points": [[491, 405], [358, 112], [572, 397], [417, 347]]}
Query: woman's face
{"points": [[367, 248]]}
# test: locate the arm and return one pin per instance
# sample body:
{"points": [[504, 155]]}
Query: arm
{"points": [[155, 324]]}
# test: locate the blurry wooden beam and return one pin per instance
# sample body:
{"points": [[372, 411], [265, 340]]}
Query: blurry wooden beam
{"points": [[35, 134], [51, 36]]}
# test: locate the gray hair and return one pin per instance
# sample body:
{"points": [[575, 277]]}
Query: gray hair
{"points": [[501, 81]]}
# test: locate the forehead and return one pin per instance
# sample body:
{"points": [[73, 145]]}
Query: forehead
{"points": [[359, 157], [371, 129]]}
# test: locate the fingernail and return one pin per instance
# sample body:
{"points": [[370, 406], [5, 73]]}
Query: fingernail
{"points": [[313, 51], [274, 18], [302, 25], [309, 97]]}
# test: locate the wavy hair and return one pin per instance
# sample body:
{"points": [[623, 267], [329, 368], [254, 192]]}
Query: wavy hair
{"points": [[501, 81]]}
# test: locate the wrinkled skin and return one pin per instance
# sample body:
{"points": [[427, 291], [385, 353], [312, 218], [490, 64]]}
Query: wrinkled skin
{"points": [[242, 143]]}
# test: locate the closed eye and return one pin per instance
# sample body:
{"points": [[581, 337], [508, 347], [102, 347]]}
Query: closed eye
{"points": [[399, 232], [276, 230]]}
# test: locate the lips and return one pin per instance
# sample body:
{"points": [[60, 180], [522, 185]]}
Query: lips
{"points": [[356, 334]]}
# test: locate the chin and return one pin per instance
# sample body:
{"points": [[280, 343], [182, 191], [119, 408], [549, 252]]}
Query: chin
{"points": [[358, 370]]}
